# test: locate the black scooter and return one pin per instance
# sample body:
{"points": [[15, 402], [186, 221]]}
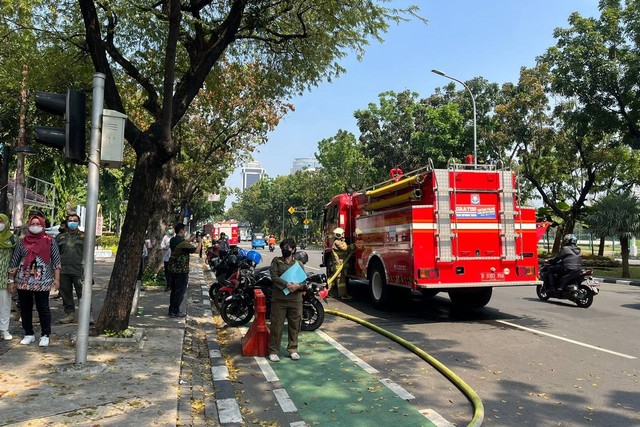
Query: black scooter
{"points": [[580, 289]]}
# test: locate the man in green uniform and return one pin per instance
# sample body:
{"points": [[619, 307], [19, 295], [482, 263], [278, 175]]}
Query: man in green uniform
{"points": [[71, 246], [179, 268]]}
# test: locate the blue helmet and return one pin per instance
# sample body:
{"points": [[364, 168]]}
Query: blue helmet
{"points": [[254, 257], [242, 254]]}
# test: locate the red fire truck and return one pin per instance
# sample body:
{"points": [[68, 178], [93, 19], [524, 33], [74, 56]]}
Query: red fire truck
{"points": [[230, 228], [458, 230]]}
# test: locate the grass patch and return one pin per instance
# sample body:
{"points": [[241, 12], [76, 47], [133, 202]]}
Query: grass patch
{"points": [[616, 272]]}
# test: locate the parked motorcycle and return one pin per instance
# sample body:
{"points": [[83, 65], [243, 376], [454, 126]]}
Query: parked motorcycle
{"points": [[580, 289], [237, 309]]}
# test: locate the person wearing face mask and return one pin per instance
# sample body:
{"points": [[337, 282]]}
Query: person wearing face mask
{"points": [[286, 303], [71, 247], [34, 271], [7, 245], [166, 254]]}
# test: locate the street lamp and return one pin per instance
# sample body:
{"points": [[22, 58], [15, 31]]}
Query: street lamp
{"points": [[473, 102], [4, 172]]}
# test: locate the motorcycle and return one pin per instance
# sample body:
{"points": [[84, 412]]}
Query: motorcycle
{"points": [[237, 309], [271, 247], [580, 289], [213, 256]]}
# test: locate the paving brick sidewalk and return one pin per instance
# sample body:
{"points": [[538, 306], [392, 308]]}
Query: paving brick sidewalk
{"points": [[166, 379]]}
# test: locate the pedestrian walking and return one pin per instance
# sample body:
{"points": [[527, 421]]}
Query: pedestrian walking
{"points": [[7, 245], [223, 245], [34, 271], [181, 249], [286, 303]]}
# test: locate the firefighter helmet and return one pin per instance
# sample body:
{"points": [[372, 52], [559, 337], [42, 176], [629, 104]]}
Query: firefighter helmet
{"points": [[338, 232], [569, 239]]}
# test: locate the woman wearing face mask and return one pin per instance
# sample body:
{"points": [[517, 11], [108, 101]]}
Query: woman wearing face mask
{"points": [[7, 244], [286, 303], [35, 267]]}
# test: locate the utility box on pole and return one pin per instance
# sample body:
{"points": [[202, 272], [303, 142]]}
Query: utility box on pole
{"points": [[112, 147]]}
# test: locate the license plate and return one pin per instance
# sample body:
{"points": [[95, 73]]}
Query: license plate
{"points": [[486, 277]]}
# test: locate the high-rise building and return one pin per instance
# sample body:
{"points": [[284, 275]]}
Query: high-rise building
{"points": [[251, 174], [305, 163]]}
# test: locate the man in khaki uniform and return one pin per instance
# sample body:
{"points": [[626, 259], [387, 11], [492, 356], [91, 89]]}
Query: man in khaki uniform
{"points": [[340, 252], [71, 245]]}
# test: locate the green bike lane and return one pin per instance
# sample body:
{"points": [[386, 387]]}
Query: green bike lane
{"points": [[333, 388]]}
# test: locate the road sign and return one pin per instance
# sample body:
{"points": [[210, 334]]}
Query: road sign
{"points": [[306, 227], [306, 222], [292, 210]]}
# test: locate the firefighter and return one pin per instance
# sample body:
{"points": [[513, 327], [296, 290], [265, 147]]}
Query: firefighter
{"points": [[340, 251]]}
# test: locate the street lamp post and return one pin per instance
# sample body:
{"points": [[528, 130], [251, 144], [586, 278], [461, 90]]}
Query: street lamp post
{"points": [[473, 102]]}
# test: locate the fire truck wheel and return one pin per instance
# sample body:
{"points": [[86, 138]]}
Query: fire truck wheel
{"points": [[380, 291], [471, 298]]}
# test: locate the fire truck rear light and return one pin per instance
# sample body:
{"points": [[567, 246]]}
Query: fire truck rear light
{"points": [[526, 271], [459, 270], [428, 273]]}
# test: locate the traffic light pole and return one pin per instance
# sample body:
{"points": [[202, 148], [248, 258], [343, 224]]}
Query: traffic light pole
{"points": [[93, 185]]}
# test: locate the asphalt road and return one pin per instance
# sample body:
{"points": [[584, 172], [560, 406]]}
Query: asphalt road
{"points": [[532, 363]]}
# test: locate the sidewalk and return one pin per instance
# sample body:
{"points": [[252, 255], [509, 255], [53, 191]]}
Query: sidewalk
{"points": [[161, 379]]}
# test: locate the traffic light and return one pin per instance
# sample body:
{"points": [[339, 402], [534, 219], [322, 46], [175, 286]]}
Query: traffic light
{"points": [[72, 138]]}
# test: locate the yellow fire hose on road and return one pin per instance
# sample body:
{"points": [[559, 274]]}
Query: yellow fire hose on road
{"points": [[471, 395]]}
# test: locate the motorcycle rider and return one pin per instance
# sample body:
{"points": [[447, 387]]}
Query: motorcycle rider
{"points": [[271, 242], [566, 264]]}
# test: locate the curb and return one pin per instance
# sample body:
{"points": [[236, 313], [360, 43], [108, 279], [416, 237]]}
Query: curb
{"points": [[618, 281], [228, 408]]}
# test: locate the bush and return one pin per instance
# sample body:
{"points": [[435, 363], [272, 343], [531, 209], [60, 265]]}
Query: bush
{"points": [[149, 278]]}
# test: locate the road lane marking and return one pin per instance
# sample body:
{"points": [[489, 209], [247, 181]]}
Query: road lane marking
{"points": [[593, 347], [286, 404], [397, 389], [266, 369], [364, 365]]}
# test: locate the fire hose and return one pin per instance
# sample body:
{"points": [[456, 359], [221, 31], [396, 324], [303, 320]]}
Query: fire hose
{"points": [[470, 394]]}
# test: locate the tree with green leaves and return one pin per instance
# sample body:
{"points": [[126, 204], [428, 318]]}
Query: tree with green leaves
{"points": [[167, 51], [616, 215]]}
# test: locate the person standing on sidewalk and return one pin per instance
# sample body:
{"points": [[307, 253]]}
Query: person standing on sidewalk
{"points": [[71, 247], [166, 253], [34, 271], [340, 252], [7, 245], [286, 303], [179, 268]]}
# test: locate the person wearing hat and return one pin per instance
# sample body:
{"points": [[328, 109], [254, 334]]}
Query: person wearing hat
{"points": [[34, 271], [340, 252]]}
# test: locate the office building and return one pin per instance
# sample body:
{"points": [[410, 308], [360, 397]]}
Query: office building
{"points": [[305, 163], [251, 173]]}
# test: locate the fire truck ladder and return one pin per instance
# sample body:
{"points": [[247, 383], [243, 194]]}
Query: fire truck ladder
{"points": [[442, 190], [508, 216]]}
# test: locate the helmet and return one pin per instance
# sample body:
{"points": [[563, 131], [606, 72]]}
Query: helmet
{"points": [[569, 239], [301, 256], [254, 257], [231, 260], [242, 254], [338, 232]]}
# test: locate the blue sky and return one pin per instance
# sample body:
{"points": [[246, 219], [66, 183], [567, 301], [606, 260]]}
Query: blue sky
{"points": [[464, 38]]}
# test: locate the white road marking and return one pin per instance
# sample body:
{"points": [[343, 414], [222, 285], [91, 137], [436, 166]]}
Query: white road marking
{"points": [[298, 424], [266, 369], [593, 347], [397, 389], [286, 404], [364, 365], [435, 418]]}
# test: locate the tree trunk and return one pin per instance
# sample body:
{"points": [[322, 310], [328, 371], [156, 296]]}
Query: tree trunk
{"points": [[114, 315], [601, 246], [624, 247], [162, 216]]}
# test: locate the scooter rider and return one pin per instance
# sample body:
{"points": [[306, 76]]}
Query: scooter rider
{"points": [[566, 264]]}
